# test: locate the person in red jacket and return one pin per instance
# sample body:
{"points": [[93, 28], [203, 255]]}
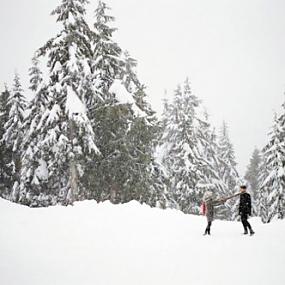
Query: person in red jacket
{"points": [[208, 209]]}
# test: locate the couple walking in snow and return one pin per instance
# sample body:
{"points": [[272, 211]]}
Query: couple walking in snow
{"points": [[209, 203]]}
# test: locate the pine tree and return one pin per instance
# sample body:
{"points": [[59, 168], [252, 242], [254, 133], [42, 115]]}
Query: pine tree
{"points": [[109, 120], [126, 140], [13, 134], [227, 168], [273, 186], [226, 152], [34, 169], [6, 182], [106, 53], [196, 161], [264, 190], [91, 100], [191, 146], [150, 178], [181, 157], [123, 121], [65, 140], [210, 164], [252, 174]]}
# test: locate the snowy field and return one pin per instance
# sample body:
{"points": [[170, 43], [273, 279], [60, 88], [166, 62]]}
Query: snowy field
{"points": [[131, 244]]}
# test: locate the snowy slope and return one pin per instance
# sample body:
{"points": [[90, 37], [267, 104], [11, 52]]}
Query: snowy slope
{"points": [[132, 244]]}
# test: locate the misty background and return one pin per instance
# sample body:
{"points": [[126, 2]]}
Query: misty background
{"points": [[232, 51]]}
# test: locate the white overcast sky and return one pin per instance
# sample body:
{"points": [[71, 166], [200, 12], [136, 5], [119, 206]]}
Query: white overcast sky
{"points": [[233, 51]]}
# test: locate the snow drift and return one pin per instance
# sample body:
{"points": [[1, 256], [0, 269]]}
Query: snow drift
{"points": [[105, 244]]}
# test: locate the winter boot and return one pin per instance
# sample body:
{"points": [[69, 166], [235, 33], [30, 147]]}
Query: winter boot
{"points": [[252, 232], [207, 232]]}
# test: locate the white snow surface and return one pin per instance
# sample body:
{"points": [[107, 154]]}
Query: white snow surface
{"points": [[129, 244]]}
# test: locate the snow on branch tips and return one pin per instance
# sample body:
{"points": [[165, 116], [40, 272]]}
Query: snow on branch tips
{"points": [[73, 103], [125, 97]]}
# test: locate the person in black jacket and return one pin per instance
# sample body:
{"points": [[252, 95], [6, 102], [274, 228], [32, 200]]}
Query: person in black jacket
{"points": [[245, 210]]}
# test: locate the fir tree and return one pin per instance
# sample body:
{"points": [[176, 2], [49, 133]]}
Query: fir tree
{"points": [[6, 182], [106, 52], [126, 140], [108, 121], [13, 134], [227, 168], [65, 139], [264, 190], [123, 122], [210, 163], [226, 152], [181, 157], [91, 100], [252, 174], [34, 173], [272, 188]]}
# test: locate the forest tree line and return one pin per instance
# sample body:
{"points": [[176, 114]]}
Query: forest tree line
{"points": [[89, 132]]}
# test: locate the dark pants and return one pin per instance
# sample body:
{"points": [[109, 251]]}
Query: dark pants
{"points": [[245, 223], [207, 231]]}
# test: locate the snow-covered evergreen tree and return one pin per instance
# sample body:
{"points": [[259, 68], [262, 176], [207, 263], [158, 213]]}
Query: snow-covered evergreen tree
{"points": [[263, 191], [126, 131], [13, 134], [227, 168], [34, 173], [89, 98], [251, 176], [108, 118], [5, 150], [181, 158], [107, 52], [64, 137], [210, 165], [123, 122], [272, 202], [192, 155]]}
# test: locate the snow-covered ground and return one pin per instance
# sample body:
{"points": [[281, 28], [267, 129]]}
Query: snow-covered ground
{"points": [[130, 244]]}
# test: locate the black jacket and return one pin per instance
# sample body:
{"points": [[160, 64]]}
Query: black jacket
{"points": [[245, 204]]}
